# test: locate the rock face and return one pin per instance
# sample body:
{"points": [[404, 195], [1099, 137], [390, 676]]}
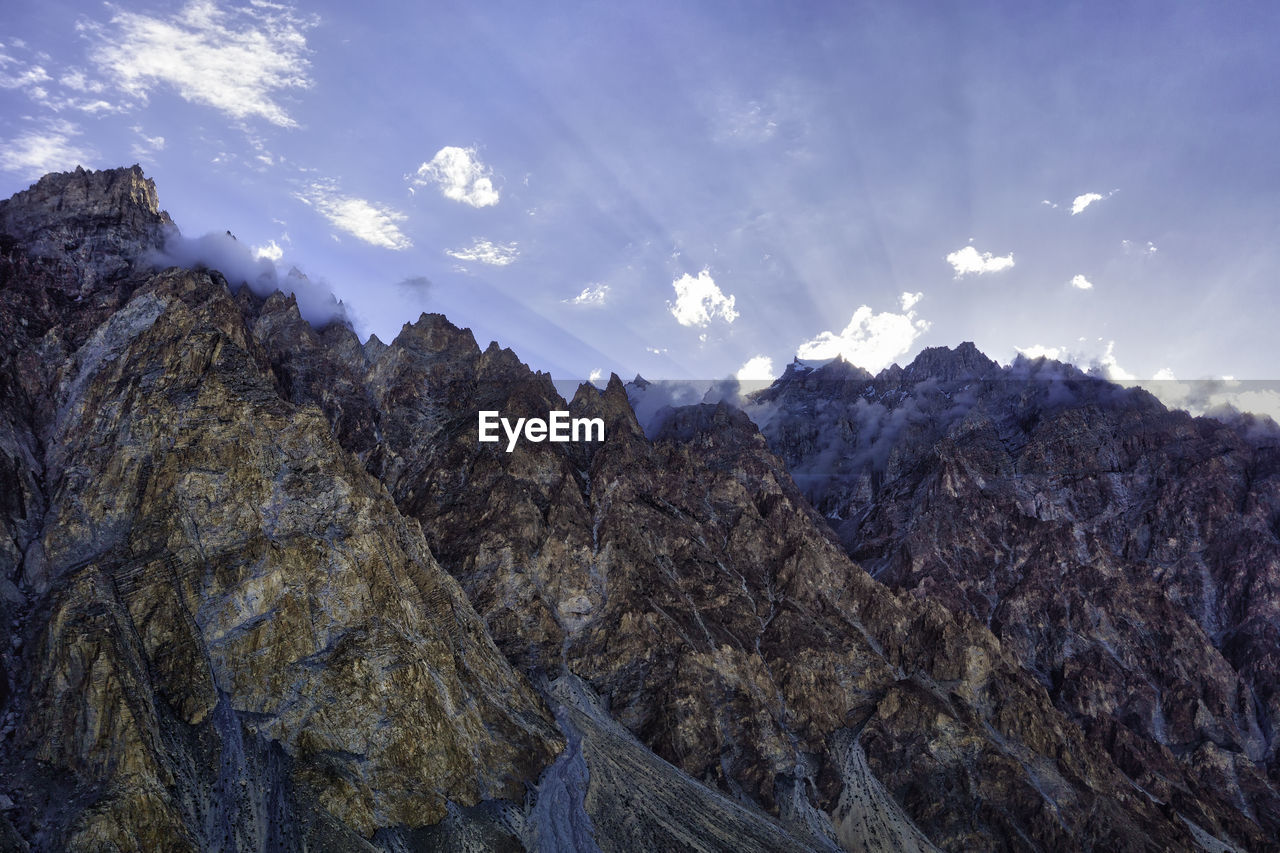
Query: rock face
{"points": [[266, 590], [226, 632], [1126, 555]]}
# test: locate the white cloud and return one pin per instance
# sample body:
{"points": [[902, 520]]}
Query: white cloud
{"points": [[1110, 367], [155, 143], [148, 146], [497, 254], [1083, 201], [237, 61], [1081, 283], [28, 79], [758, 368], [460, 175], [871, 341], [1039, 351], [909, 300], [372, 223], [700, 300], [47, 149], [591, 295], [1104, 364], [655, 350], [75, 79], [595, 376], [271, 251], [970, 260]]}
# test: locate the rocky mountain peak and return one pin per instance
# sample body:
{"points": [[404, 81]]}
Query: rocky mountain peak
{"points": [[104, 222], [950, 365], [435, 333]]}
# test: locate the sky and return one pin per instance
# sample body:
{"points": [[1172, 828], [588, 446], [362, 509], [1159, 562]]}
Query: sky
{"points": [[702, 190]]}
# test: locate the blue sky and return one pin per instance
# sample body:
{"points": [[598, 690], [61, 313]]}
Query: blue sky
{"points": [[682, 190]]}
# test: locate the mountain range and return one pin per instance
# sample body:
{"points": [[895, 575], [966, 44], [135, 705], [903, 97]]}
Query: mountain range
{"points": [[263, 589]]}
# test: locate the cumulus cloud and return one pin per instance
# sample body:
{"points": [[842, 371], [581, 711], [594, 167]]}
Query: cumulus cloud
{"points": [[1083, 201], [460, 175], [909, 300], [497, 254], [871, 341], [700, 300], [757, 368], [237, 61], [1081, 283], [970, 260], [370, 222], [593, 294], [48, 148], [595, 376]]}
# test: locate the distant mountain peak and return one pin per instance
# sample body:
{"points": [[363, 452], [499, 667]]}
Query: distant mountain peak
{"points": [[966, 361]]}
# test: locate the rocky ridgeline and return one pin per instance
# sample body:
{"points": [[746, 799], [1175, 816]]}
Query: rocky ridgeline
{"points": [[1127, 555], [266, 590]]}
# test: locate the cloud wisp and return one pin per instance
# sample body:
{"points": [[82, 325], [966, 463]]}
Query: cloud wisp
{"points": [[486, 252], [237, 61], [460, 176], [242, 265], [50, 147], [699, 300], [373, 223], [1079, 282], [592, 294]]}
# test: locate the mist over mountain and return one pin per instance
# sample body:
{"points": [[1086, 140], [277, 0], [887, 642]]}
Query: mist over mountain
{"points": [[264, 589]]}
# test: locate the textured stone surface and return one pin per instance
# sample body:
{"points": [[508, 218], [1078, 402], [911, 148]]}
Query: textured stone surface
{"points": [[690, 584], [213, 569], [1125, 554]]}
